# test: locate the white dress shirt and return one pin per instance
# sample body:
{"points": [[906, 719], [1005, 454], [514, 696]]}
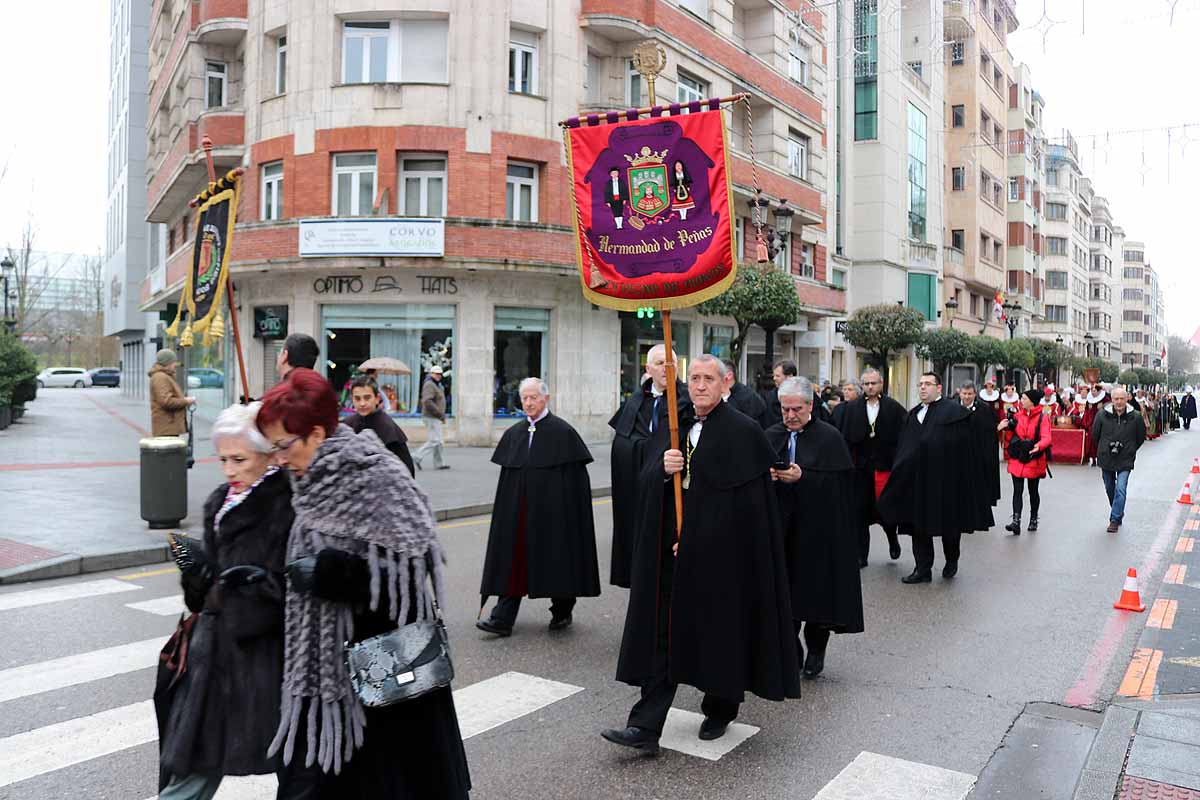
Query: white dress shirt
{"points": [[533, 423], [873, 410]]}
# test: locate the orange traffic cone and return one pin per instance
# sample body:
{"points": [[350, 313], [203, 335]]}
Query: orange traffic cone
{"points": [[1185, 494], [1130, 600], [1195, 466]]}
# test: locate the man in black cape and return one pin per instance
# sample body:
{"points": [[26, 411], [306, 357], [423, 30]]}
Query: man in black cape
{"points": [[871, 426], [983, 424], [711, 610], [936, 488], [368, 405], [542, 542], [814, 494], [779, 373], [641, 415], [1187, 410], [742, 397]]}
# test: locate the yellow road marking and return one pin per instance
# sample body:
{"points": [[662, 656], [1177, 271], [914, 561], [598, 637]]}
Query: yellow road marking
{"points": [[1162, 614], [1176, 573], [148, 574], [1184, 545], [1136, 673]]}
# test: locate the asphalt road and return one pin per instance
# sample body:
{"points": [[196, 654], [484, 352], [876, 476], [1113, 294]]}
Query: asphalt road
{"points": [[939, 676]]}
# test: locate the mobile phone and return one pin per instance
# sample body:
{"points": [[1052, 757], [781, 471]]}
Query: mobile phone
{"points": [[781, 466]]}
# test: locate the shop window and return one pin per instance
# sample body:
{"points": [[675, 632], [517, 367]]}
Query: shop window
{"points": [[521, 350], [718, 340], [423, 186], [638, 335], [420, 335], [353, 184]]}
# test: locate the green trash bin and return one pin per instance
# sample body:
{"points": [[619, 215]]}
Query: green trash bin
{"points": [[164, 480]]}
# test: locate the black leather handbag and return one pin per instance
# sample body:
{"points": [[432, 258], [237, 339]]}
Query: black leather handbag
{"points": [[399, 665]]}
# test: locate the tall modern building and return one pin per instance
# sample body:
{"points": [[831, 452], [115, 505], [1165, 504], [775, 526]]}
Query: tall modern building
{"points": [[887, 142], [126, 246], [1105, 284], [1143, 327], [979, 73], [1068, 231], [1026, 176], [442, 117]]}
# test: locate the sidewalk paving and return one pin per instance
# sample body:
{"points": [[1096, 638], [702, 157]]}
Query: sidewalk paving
{"points": [[69, 479]]}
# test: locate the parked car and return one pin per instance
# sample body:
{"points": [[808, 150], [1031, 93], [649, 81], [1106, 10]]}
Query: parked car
{"points": [[205, 378], [105, 376], [64, 376]]}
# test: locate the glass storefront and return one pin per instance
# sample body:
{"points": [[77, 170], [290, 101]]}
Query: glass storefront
{"points": [[417, 334], [718, 340], [638, 336], [520, 350]]}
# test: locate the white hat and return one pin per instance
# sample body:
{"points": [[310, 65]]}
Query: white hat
{"points": [[435, 370]]}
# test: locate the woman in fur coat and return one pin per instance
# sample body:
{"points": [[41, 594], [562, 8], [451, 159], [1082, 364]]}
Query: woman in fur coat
{"points": [[363, 559]]}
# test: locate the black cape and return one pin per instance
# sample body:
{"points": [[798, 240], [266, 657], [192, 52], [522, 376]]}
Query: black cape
{"points": [[542, 542], [632, 426], [389, 433], [871, 452], [1187, 409], [983, 424], [937, 484], [818, 527], [747, 401], [731, 617]]}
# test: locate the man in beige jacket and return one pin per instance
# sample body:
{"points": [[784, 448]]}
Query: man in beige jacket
{"points": [[433, 414], [168, 405]]}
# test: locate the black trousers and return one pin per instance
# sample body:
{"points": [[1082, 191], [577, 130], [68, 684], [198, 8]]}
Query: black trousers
{"points": [[923, 549], [650, 711], [1035, 498], [507, 607], [816, 638], [1187, 423], [864, 482]]}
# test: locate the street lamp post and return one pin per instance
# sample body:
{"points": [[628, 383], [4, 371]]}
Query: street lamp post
{"points": [[951, 307], [1058, 340], [1011, 310], [1088, 341], [777, 237], [6, 268]]}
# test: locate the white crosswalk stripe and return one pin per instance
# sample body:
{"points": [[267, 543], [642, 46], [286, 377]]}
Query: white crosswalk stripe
{"points": [[679, 734], [170, 606], [60, 673], [68, 591], [871, 775]]}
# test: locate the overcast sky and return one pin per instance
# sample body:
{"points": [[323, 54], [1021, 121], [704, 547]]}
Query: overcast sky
{"points": [[1108, 66]]}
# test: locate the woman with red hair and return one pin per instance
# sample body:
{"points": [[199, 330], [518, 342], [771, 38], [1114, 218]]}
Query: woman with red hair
{"points": [[364, 559]]}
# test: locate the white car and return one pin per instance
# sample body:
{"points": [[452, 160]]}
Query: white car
{"points": [[64, 376]]}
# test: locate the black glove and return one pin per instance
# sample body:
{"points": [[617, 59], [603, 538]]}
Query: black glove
{"points": [[242, 575], [302, 574]]}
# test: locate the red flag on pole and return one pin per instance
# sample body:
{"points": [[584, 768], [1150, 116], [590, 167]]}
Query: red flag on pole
{"points": [[1195, 340]]}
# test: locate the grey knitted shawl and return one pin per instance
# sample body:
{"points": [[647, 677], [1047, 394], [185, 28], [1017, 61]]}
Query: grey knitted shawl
{"points": [[356, 497]]}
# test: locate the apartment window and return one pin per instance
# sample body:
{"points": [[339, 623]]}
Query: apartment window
{"points": [[365, 52], [866, 109], [1056, 211], [1134, 295], [1052, 177], [958, 239], [1014, 190], [697, 7], [975, 305], [353, 184], [839, 278], [215, 84], [633, 85], [958, 116], [272, 190], [997, 135], [1056, 313], [998, 252], [799, 57], [1056, 279], [798, 146], [1056, 246], [423, 186], [1132, 272], [523, 62], [866, 64], [922, 294], [1133, 316], [689, 89], [957, 53], [595, 78], [280, 64], [985, 246], [985, 184], [917, 68], [985, 126], [521, 191], [1134, 255], [997, 79], [958, 178], [916, 173], [807, 260], [985, 65]]}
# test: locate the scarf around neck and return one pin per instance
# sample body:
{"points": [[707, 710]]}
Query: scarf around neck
{"points": [[1010, 397], [989, 397], [358, 498]]}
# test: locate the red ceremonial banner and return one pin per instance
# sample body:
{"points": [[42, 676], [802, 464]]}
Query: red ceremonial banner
{"points": [[652, 199]]}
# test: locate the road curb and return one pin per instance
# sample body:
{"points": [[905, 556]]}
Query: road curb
{"points": [[72, 564]]}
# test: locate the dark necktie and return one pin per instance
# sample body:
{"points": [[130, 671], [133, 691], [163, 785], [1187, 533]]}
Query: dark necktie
{"points": [[654, 413], [792, 448]]}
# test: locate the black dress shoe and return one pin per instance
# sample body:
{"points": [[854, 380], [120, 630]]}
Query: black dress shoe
{"points": [[636, 738], [559, 623], [491, 626], [894, 551], [862, 561], [712, 729], [950, 570], [917, 576], [814, 665]]}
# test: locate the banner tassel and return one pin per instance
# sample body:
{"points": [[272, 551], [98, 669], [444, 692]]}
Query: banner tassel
{"points": [[186, 339]]}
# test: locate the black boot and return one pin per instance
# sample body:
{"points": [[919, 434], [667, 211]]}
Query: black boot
{"points": [[817, 639], [1015, 525], [1032, 524]]}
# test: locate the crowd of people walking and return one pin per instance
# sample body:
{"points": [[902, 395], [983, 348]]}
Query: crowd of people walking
{"points": [[316, 649]]}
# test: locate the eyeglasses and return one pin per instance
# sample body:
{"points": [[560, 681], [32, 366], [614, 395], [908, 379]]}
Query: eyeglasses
{"points": [[870, 383], [287, 445]]}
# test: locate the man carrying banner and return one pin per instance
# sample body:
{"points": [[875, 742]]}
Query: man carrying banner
{"points": [[635, 422]]}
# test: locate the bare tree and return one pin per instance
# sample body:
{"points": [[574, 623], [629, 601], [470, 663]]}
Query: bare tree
{"points": [[32, 279]]}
